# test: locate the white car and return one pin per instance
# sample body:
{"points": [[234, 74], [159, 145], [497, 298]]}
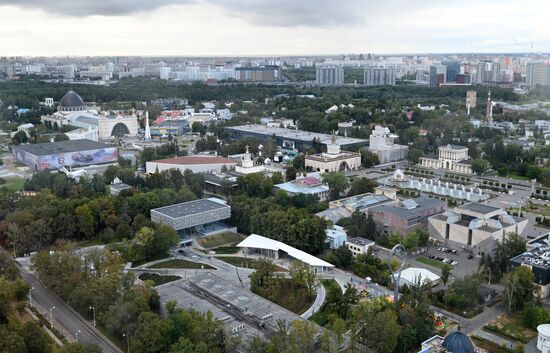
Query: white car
{"points": [[454, 263]]}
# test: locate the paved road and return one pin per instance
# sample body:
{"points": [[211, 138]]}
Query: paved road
{"points": [[64, 316]]}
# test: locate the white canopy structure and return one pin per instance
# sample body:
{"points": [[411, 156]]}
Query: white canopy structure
{"points": [[271, 248], [412, 275]]}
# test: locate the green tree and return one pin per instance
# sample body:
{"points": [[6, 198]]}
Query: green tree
{"points": [[518, 288], [445, 274], [414, 154], [362, 186], [337, 182], [479, 166], [368, 159], [60, 137], [20, 137]]}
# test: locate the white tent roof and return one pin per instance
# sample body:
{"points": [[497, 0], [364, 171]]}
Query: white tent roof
{"points": [[259, 242], [412, 274]]}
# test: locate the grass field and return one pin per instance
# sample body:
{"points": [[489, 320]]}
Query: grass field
{"points": [[227, 250], [13, 183], [537, 209], [214, 241], [160, 257], [489, 346], [179, 263], [291, 297], [432, 262], [511, 326], [158, 279]]}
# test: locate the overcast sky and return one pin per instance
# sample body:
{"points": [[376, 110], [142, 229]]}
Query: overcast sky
{"points": [[271, 27]]}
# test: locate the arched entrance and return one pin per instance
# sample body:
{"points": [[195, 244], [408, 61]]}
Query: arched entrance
{"points": [[447, 165], [119, 130], [343, 166]]}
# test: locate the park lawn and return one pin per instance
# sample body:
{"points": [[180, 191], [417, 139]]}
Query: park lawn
{"points": [[511, 326], [179, 263], [537, 209], [227, 250], [244, 262], [13, 183], [488, 345], [432, 262], [158, 279], [292, 298], [217, 240], [142, 262]]}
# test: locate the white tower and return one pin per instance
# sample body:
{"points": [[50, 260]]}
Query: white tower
{"points": [[247, 161], [147, 128]]}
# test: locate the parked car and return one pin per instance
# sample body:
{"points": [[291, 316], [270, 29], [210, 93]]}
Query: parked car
{"points": [[470, 256], [453, 251], [454, 262]]}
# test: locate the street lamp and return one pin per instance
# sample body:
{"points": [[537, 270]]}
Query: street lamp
{"points": [[127, 340], [93, 310], [76, 335], [30, 296], [51, 316]]}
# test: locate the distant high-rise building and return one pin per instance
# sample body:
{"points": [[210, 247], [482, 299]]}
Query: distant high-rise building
{"points": [[379, 77], [537, 74], [164, 72], [452, 70], [333, 76], [471, 100], [258, 74], [433, 76]]}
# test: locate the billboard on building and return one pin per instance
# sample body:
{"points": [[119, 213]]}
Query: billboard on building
{"points": [[67, 159]]}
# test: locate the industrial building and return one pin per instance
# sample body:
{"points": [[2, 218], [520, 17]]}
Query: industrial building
{"points": [[196, 164], [170, 128], [291, 138], [71, 153], [474, 226]]}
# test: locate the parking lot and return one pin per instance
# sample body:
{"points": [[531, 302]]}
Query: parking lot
{"points": [[463, 267]]}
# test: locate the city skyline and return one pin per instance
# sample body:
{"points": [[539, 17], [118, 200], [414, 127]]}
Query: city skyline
{"points": [[229, 28]]}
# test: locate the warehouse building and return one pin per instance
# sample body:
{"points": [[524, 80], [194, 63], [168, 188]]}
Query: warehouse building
{"points": [[291, 138], [72, 153], [196, 164]]}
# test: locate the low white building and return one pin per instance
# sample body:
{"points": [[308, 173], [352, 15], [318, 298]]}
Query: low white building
{"points": [[196, 164], [334, 159], [543, 340], [414, 276], [336, 236], [451, 157], [358, 245]]}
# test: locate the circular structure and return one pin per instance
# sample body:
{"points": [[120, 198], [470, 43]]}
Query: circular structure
{"points": [[71, 102], [457, 342], [543, 340]]}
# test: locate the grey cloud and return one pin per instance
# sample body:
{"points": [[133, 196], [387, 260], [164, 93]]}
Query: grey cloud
{"points": [[279, 13]]}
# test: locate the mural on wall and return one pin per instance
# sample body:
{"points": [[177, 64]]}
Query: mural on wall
{"points": [[68, 159]]}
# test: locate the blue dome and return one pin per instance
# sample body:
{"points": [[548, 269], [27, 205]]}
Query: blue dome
{"points": [[457, 342]]}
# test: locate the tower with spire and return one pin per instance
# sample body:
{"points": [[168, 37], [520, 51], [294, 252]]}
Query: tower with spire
{"points": [[489, 112], [147, 128]]}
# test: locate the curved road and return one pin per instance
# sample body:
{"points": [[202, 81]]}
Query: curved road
{"points": [[65, 316]]}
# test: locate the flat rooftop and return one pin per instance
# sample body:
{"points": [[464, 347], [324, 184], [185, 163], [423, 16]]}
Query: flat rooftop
{"points": [[196, 160], [238, 308], [46, 148], [191, 208], [539, 257], [359, 241], [479, 208], [300, 135]]}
